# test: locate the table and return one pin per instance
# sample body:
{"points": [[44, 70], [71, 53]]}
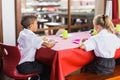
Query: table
{"points": [[42, 21], [65, 57], [53, 24]]}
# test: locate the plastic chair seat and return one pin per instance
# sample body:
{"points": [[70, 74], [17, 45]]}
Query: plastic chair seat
{"points": [[17, 75], [10, 59]]}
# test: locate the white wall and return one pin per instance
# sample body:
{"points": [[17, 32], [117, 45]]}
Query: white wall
{"points": [[8, 15]]}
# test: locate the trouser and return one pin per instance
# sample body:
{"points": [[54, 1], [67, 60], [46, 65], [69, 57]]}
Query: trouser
{"points": [[31, 67], [101, 66], [117, 61]]}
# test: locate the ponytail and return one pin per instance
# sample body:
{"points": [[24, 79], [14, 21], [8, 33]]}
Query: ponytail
{"points": [[105, 22]]}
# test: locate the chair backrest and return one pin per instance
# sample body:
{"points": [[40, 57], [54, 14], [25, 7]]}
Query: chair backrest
{"points": [[10, 58]]}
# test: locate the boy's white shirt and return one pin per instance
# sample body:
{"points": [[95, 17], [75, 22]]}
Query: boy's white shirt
{"points": [[28, 43], [104, 44]]}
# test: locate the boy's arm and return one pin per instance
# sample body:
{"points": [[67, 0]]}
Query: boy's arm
{"points": [[49, 43]]}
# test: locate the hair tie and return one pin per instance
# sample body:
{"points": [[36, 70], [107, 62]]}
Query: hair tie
{"points": [[103, 17]]}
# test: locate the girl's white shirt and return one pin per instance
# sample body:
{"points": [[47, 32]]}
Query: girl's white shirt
{"points": [[104, 44]]}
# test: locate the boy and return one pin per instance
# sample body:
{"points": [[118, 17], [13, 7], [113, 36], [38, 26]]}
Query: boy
{"points": [[28, 43]]}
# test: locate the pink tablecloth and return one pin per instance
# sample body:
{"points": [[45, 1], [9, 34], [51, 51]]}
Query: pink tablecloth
{"points": [[65, 57]]}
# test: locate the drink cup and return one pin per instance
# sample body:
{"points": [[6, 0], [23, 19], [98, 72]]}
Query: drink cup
{"points": [[65, 34], [94, 32], [117, 27]]}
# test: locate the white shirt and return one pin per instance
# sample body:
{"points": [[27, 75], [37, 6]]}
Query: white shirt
{"points": [[28, 43], [104, 44]]}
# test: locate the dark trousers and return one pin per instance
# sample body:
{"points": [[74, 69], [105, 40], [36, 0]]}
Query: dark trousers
{"points": [[31, 67], [101, 66], [117, 61]]}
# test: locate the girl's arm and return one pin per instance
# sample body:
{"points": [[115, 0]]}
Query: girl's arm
{"points": [[81, 45]]}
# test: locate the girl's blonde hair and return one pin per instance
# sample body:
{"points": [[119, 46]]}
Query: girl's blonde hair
{"points": [[105, 22]]}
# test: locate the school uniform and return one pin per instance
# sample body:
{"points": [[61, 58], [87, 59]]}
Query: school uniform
{"points": [[104, 45], [28, 43]]}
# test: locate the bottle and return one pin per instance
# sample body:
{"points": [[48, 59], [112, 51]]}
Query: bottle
{"points": [[117, 27], [65, 34], [94, 32]]}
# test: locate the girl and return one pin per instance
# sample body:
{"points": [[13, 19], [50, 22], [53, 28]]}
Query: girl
{"points": [[104, 44]]}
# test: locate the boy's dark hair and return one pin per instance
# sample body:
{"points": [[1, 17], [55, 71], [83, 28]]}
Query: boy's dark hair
{"points": [[28, 20]]}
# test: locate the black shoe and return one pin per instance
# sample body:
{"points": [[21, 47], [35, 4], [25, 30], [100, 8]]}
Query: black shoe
{"points": [[37, 77]]}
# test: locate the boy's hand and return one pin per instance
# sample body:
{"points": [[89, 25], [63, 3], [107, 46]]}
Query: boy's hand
{"points": [[50, 45]]}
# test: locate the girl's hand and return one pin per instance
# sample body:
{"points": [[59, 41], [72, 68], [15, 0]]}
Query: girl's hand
{"points": [[81, 45]]}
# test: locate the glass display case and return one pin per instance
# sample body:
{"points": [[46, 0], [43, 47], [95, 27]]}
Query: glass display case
{"points": [[82, 11]]}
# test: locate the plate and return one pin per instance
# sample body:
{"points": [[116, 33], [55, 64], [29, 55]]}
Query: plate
{"points": [[48, 40]]}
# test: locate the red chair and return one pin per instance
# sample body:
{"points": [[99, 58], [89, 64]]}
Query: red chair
{"points": [[10, 59]]}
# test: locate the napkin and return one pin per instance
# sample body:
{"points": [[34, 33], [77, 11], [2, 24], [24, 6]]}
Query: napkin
{"points": [[76, 41]]}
